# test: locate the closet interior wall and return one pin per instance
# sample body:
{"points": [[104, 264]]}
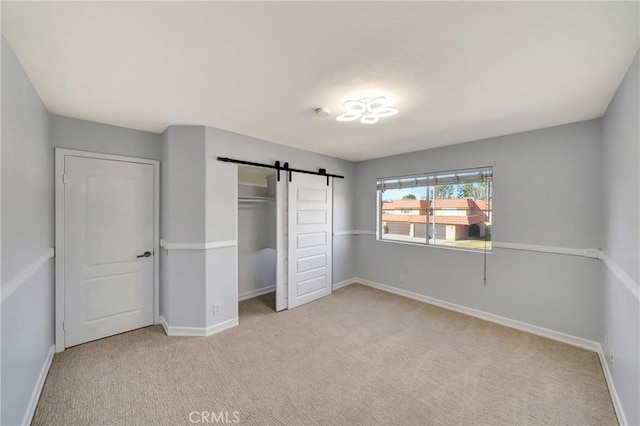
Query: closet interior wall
{"points": [[256, 237]]}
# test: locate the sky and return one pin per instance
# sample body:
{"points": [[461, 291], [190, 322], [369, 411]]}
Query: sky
{"points": [[397, 194]]}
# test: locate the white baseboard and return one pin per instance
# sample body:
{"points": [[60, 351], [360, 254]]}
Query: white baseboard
{"points": [[197, 331], [507, 322], [344, 283], [37, 390], [225, 325], [617, 404], [255, 293]]}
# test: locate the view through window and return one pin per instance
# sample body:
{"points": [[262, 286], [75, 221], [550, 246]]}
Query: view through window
{"points": [[451, 209]]}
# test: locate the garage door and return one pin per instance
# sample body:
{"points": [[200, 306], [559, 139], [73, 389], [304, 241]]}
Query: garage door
{"points": [[398, 228], [441, 232], [420, 230]]}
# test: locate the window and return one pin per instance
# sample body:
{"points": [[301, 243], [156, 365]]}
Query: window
{"points": [[447, 209]]}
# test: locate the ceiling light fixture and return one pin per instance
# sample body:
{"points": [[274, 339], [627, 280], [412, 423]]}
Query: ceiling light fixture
{"points": [[368, 110]]}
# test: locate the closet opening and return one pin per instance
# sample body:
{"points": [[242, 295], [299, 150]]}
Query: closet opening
{"points": [[259, 248], [284, 237]]}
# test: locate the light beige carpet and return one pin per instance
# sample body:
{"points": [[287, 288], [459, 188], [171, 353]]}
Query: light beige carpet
{"points": [[359, 356]]}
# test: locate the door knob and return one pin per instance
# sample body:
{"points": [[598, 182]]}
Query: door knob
{"points": [[146, 254]]}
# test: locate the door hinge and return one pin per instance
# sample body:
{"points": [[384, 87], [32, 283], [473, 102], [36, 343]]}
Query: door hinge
{"points": [[63, 327], [64, 178]]}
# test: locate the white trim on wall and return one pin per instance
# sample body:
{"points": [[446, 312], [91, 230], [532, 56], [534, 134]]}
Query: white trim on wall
{"points": [[197, 246], [344, 283], [255, 293], [37, 390], [197, 331], [353, 232], [23, 276], [624, 278], [617, 404], [588, 252], [584, 252]]}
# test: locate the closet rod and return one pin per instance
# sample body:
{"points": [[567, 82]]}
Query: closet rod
{"points": [[278, 167]]}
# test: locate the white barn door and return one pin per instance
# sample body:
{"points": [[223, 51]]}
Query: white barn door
{"points": [[109, 248], [310, 245]]}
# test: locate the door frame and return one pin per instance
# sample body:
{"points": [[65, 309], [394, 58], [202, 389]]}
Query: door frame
{"points": [[60, 154], [282, 280]]}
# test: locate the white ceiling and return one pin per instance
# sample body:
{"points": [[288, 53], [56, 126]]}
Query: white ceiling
{"points": [[458, 71]]}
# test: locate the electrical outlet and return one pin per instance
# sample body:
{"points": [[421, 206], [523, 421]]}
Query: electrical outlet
{"points": [[611, 358], [402, 277], [217, 308]]}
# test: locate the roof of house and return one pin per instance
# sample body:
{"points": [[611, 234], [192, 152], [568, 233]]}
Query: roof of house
{"points": [[458, 203], [405, 204], [484, 204], [440, 220]]}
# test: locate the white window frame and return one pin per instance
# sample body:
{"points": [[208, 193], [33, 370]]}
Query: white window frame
{"points": [[430, 188]]}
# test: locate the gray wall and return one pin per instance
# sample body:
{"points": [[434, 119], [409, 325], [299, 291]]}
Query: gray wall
{"points": [[84, 135], [621, 232], [200, 205], [183, 221], [545, 191], [27, 234]]}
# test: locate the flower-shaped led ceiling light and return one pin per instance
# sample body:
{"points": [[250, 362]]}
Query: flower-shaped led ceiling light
{"points": [[368, 110]]}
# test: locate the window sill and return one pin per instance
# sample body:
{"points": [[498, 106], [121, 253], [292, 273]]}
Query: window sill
{"points": [[431, 246]]}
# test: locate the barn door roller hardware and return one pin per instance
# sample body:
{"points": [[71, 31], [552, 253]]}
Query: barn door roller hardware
{"points": [[285, 167]]}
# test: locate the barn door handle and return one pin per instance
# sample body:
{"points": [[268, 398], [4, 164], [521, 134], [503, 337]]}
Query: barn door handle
{"points": [[146, 254]]}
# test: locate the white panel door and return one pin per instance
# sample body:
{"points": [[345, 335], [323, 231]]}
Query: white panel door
{"points": [[108, 269], [310, 211]]}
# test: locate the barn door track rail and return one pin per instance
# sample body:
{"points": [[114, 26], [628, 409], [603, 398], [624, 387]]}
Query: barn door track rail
{"points": [[285, 167]]}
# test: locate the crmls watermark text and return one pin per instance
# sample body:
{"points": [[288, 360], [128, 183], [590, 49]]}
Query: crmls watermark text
{"points": [[218, 417]]}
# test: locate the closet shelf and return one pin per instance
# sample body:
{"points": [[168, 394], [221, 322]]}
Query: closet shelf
{"points": [[253, 199]]}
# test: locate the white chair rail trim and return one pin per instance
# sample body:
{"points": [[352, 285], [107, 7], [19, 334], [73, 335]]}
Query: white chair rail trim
{"points": [[625, 279], [353, 232], [197, 246], [584, 252], [588, 252], [23, 276]]}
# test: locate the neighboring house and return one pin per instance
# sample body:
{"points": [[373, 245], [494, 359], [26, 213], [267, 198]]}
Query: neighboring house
{"points": [[455, 218], [414, 207]]}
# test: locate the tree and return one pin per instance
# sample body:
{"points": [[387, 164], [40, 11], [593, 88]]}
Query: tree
{"points": [[444, 191], [477, 191], [409, 197]]}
